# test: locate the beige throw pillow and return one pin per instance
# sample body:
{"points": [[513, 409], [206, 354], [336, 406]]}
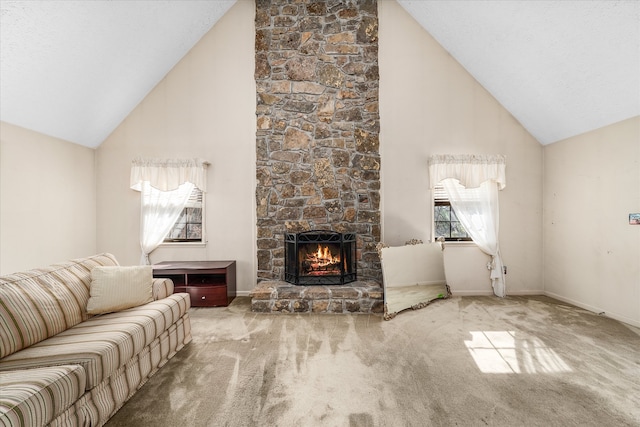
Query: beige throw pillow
{"points": [[118, 288]]}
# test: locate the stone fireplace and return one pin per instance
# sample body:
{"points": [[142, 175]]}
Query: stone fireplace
{"points": [[317, 145]]}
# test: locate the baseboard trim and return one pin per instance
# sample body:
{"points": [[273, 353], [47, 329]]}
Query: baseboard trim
{"points": [[525, 292], [243, 293], [470, 293], [594, 309]]}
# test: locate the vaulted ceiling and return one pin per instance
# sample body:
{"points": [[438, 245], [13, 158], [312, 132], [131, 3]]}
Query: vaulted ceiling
{"points": [[75, 69]]}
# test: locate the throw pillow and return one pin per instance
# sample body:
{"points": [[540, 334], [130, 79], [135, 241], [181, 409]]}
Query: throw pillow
{"points": [[118, 288]]}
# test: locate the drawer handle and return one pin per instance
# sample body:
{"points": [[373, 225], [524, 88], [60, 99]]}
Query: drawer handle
{"points": [[204, 297]]}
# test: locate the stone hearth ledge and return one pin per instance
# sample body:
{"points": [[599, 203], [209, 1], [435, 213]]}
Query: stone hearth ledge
{"points": [[283, 297]]}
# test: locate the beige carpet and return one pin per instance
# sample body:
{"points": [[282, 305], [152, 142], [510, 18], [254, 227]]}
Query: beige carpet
{"points": [[463, 361]]}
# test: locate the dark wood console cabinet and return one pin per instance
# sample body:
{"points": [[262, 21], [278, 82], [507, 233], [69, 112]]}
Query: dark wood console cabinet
{"points": [[210, 283]]}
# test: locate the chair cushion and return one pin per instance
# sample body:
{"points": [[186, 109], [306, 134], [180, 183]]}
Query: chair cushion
{"points": [[34, 397], [103, 344]]}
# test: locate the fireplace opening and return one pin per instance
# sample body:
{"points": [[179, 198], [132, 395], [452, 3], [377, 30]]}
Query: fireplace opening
{"points": [[320, 257]]}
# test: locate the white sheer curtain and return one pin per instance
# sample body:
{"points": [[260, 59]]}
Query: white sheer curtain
{"points": [[472, 184], [165, 187], [159, 211]]}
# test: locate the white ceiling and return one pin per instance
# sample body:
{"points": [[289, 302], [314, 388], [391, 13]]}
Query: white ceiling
{"points": [[75, 69], [560, 67]]}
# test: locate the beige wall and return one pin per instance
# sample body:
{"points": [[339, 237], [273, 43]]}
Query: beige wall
{"points": [[205, 108], [47, 200], [429, 104], [592, 254]]}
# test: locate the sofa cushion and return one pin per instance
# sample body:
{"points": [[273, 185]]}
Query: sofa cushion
{"points": [[34, 397], [118, 288], [103, 344], [41, 303]]}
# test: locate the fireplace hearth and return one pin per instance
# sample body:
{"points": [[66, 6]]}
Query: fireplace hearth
{"points": [[320, 257]]}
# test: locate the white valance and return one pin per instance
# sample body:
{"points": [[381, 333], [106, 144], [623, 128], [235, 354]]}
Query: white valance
{"points": [[167, 175], [470, 170]]}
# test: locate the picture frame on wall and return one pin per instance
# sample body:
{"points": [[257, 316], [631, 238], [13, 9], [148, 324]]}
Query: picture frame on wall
{"points": [[634, 218]]}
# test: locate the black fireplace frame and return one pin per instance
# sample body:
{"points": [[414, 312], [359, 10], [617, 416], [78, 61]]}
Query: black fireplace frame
{"points": [[347, 243]]}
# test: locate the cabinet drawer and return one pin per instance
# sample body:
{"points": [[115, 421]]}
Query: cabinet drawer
{"points": [[208, 296]]}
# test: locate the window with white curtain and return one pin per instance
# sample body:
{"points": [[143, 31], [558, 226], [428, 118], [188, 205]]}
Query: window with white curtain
{"points": [[189, 227], [172, 200], [445, 222], [472, 183]]}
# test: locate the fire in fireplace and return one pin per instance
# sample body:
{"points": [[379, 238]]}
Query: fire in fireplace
{"points": [[320, 257]]}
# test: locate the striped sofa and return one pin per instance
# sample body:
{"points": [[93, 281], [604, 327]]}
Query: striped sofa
{"points": [[59, 365]]}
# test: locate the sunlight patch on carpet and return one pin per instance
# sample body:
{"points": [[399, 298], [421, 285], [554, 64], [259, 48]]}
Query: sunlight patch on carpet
{"points": [[505, 352]]}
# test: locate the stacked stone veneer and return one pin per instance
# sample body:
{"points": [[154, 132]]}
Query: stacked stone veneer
{"points": [[356, 297], [318, 161]]}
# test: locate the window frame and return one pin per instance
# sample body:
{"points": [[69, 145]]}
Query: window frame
{"points": [[439, 198], [203, 241]]}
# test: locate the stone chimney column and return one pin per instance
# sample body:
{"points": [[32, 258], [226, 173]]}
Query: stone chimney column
{"points": [[318, 161]]}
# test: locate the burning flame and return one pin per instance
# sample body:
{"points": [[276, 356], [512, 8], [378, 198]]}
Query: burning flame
{"points": [[323, 253], [322, 257]]}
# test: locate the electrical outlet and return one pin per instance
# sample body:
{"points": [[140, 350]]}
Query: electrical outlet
{"points": [[504, 269]]}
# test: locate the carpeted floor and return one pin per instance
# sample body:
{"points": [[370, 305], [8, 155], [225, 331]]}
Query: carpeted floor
{"points": [[464, 361]]}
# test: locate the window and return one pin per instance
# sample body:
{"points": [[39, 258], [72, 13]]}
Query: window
{"points": [[445, 222], [190, 226]]}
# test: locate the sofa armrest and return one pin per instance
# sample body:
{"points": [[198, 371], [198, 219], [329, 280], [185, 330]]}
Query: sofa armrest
{"points": [[162, 288]]}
